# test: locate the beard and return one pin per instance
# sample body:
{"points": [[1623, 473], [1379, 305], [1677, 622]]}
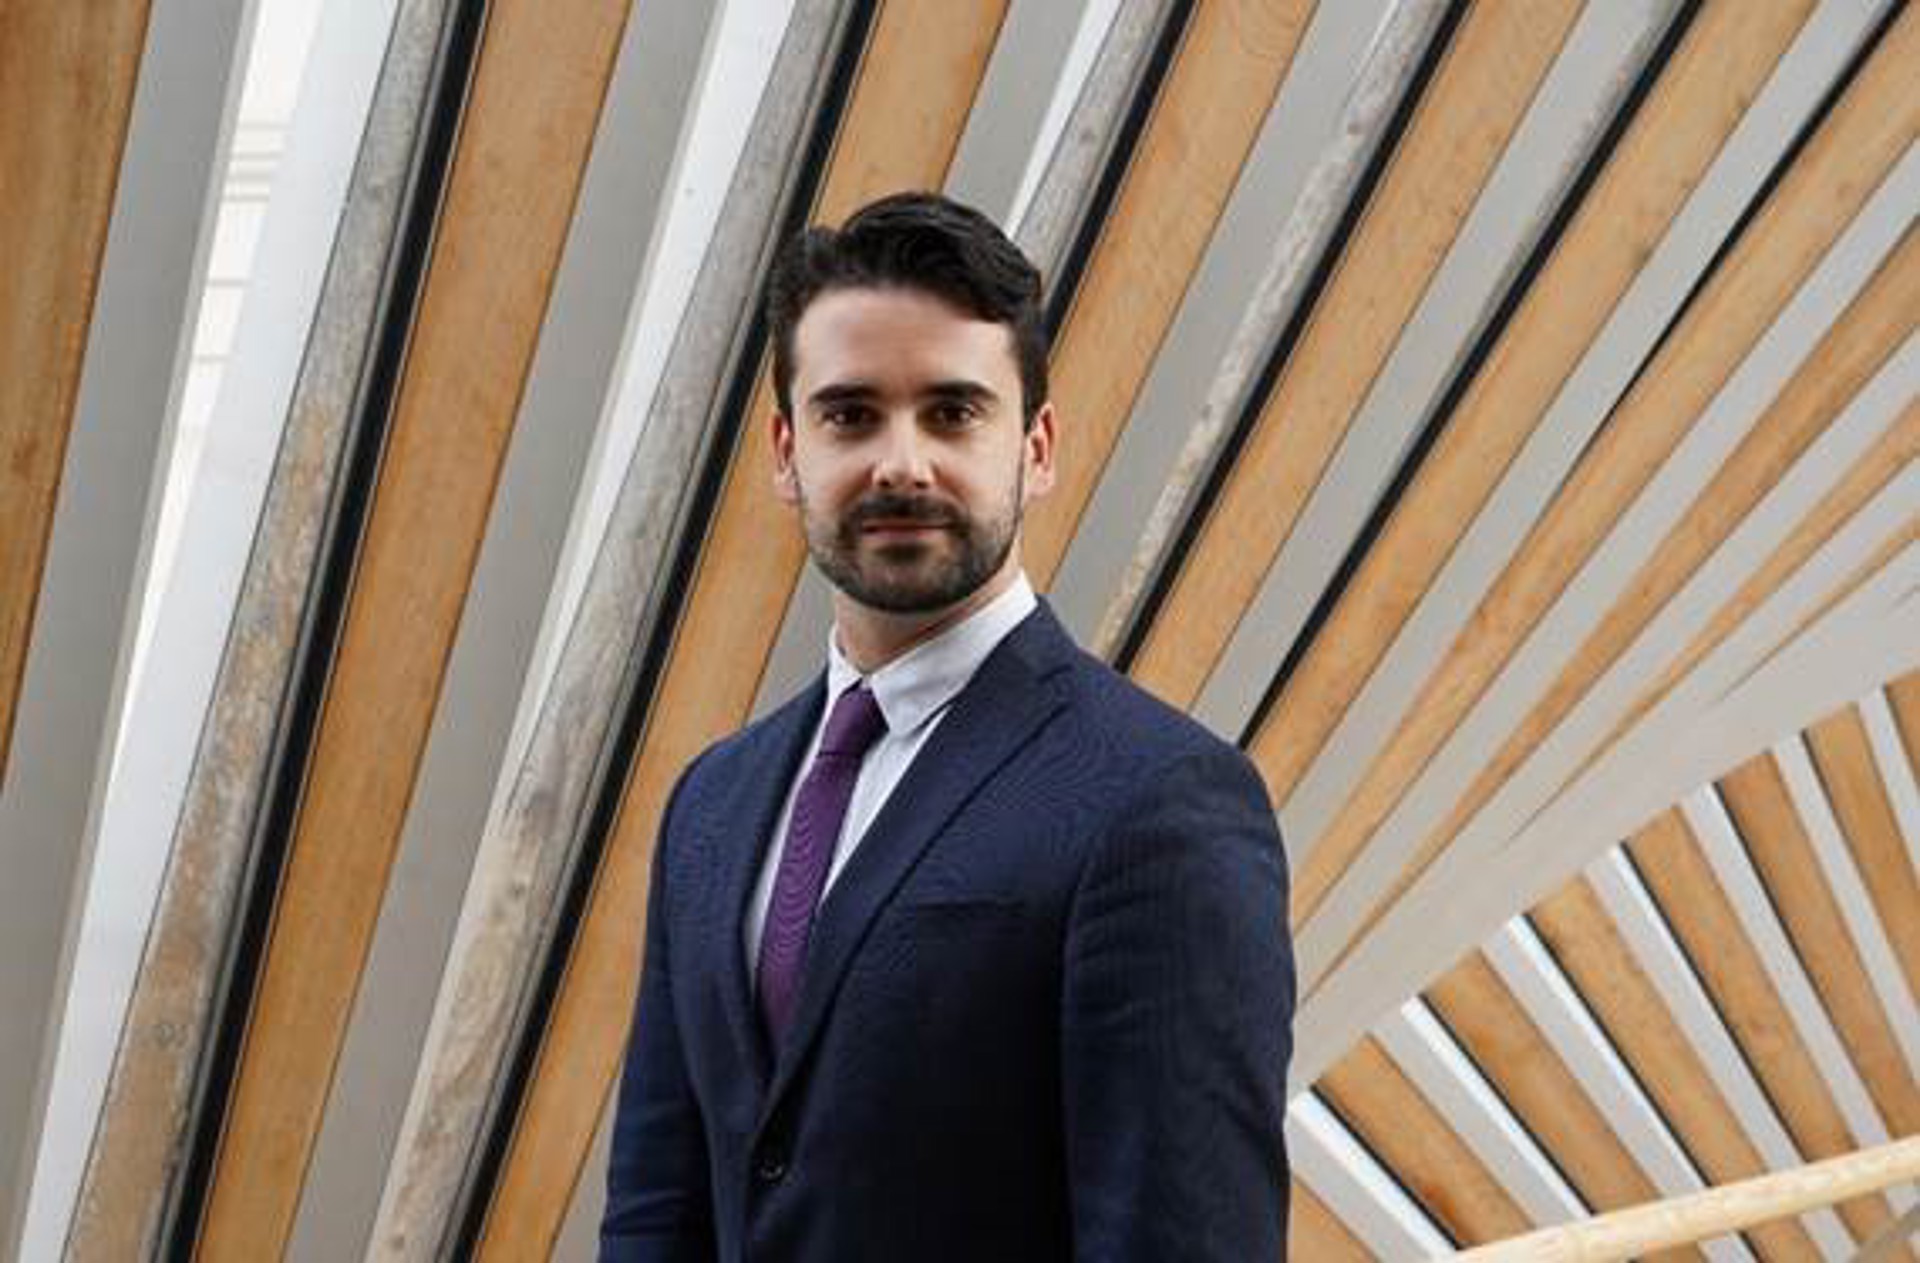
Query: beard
{"points": [[911, 575]]}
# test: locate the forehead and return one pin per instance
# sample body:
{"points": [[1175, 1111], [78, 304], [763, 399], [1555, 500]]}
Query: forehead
{"points": [[899, 335]]}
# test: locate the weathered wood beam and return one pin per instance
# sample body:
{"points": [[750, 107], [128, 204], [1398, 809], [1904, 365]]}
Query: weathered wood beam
{"points": [[140, 1145], [528, 125]]}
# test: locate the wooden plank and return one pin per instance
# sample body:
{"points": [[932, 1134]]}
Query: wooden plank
{"points": [[1537, 1085], [1627, 1005], [917, 83], [66, 94], [1844, 759], [1848, 355], [1756, 798], [1716, 1212], [1866, 134], [1231, 62], [1892, 453], [1903, 698], [1479, 94], [1315, 1232], [528, 127], [1409, 1136], [1696, 907]]}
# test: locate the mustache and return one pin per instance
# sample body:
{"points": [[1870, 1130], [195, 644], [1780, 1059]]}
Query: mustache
{"points": [[920, 510]]}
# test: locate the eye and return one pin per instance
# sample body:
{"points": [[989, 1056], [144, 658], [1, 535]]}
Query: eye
{"points": [[845, 416], [955, 414]]}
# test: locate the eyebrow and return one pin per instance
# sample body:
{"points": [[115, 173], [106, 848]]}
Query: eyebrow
{"points": [[961, 389]]}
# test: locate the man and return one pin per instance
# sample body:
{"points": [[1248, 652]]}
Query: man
{"points": [[972, 951]]}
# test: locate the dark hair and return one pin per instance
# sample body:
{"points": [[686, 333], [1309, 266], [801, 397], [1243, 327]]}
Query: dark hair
{"points": [[917, 241]]}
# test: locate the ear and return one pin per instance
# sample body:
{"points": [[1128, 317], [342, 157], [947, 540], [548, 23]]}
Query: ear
{"points": [[786, 480], [1037, 452]]}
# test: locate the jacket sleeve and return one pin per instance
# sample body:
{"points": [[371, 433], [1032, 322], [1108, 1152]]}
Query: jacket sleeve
{"points": [[659, 1203], [1177, 1025]]}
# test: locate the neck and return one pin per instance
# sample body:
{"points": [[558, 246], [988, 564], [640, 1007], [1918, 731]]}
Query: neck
{"points": [[871, 638]]}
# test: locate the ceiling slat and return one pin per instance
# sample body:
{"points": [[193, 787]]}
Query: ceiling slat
{"points": [[1869, 331], [918, 80], [1509, 1049], [1588, 946], [528, 857], [1230, 65], [1700, 97], [1892, 453], [528, 126], [66, 95], [1410, 1137], [1844, 759], [1825, 188], [1315, 1232], [1903, 697], [1756, 798], [1690, 897], [1488, 75]]}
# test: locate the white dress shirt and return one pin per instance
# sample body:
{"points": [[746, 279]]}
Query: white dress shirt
{"points": [[914, 691]]}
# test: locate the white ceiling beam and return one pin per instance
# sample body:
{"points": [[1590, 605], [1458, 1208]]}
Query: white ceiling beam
{"points": [[1604, 54], [1442, 1071], [1850, 893], [1369, 1201], [1896, 773], [1665, 963], [1555, 1007], [1539, 470]]}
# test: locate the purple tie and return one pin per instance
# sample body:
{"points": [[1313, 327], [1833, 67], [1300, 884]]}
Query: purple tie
{"points": [[818, 810]]}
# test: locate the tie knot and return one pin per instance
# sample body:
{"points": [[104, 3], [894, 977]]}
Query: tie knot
{"points": [[856, 723]]}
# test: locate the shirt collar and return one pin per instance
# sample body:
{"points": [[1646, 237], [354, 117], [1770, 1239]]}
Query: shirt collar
{"points": [[919, 683]]}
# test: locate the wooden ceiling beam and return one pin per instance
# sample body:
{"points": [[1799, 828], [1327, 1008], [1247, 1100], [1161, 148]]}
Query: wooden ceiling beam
{"points": [[1411, 1138], [1315, 1232], [1536, 1084], [528, 126], [1624, 1000], [66, 96], [1846, 160], [1851, 352], [1892, 453], [1695, 906], [918, 78], [1756, 798], [1231, 62], [1844, 758], [1488, 74]]}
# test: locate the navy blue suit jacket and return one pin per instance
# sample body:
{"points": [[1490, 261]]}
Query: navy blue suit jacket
{"points": [[1046, 1011]]}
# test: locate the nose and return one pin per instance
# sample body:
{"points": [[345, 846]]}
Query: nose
{"points": [[901, 461]]}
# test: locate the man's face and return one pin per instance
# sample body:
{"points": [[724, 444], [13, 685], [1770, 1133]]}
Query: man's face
{"points": [[906, 454]]}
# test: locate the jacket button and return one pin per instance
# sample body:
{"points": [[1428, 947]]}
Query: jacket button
{"points": [[771, 1167]]}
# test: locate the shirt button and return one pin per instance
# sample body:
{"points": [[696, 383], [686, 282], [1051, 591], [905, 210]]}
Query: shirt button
{"points": [[771, 1167]]}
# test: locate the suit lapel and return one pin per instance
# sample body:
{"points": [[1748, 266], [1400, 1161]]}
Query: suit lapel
{"points": [[999, 711], [768, 765]]}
